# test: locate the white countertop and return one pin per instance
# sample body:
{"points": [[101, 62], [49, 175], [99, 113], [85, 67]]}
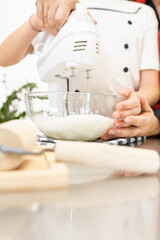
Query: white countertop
{"points": [[113, 209]]}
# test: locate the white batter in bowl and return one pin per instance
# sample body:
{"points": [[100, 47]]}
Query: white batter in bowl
{"points": [[72, 116]]}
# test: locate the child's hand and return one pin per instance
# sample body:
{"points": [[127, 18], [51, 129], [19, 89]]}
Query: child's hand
{"points": [[131, 106], [145, 124], [54, 13]]}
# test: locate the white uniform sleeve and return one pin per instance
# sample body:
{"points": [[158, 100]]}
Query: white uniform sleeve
{"points": [[40, 38], [150, 54]]}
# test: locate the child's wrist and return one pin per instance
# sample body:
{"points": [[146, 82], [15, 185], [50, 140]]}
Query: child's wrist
{"points": [[33, 23]]}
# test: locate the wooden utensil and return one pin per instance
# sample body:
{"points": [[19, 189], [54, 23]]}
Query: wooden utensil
{"points": [[16, 134], [35, 173], [108, 157]]}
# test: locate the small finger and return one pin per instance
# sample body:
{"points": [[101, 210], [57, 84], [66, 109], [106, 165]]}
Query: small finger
{"points": [[45, 14], [120, 124], [123, 114], [137, 121], [128, 104], [124, 132], [107, 137], [51, 14], [40, 14]]}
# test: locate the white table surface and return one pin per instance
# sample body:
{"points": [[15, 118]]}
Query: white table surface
{"points": [[112, 209]]}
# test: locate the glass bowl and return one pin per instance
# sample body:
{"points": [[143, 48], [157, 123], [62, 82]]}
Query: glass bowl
{"points": [[72, 116]]}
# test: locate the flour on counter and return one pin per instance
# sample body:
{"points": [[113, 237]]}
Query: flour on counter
{"points": [[85, 127]]}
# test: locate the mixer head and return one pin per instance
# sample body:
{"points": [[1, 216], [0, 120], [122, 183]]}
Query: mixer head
{"points": [[74, 50]]}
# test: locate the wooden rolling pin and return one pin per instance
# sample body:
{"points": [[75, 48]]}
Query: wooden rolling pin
{"points": [[108, 157], [18, 134]]}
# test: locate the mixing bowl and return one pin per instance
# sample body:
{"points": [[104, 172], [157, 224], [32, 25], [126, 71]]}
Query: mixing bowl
{"points": [[72, 115]]}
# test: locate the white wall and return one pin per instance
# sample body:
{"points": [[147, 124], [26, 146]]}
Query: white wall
{"points": [[12, 14]]}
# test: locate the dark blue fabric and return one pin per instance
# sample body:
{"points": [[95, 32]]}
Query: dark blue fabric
{"points": [[157, 113]]}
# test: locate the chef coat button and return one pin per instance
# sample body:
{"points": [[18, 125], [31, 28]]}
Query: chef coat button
{"points": [[77, 91], [125, 69], [130, 22], [126, 46]]}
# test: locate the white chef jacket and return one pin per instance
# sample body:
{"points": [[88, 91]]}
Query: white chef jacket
{"points": [[128, 34]]}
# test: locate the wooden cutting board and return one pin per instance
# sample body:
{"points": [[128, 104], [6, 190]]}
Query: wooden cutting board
{"points": [[44, 173], [35, 173]]}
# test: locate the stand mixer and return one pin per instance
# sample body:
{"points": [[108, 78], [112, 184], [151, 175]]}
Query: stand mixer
{"points": [[73, 51]]}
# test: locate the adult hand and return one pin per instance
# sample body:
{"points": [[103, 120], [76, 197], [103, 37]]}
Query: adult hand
{"points": [[145, 124], [52, 14]]}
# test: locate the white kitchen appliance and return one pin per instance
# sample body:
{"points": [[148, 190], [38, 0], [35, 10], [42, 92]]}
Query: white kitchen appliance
{"points": [[73, 51]]}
